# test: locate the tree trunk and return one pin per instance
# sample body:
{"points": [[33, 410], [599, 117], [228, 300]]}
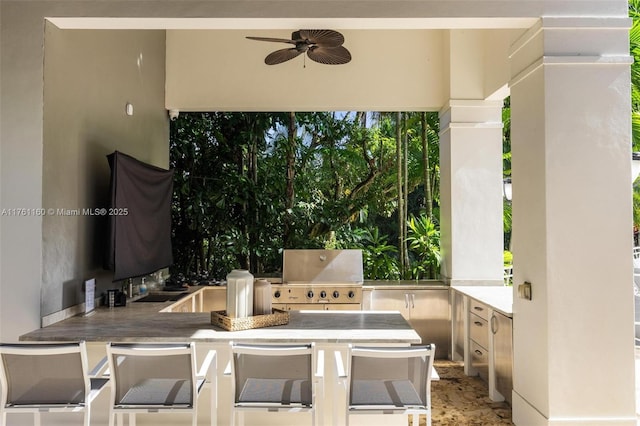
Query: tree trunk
{"points": [[405, 213], [253, 172], [428, 202], [290, 170], [243, 160], [400, 170]]}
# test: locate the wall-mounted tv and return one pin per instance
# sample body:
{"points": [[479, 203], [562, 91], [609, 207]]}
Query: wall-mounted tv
{"points": [[139, 217]]}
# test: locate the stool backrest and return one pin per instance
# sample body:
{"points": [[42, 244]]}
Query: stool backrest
{"points": [[140, 373], [390, 376], [43, 374], [291, 364]]}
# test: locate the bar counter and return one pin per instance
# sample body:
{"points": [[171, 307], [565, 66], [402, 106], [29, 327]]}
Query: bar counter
{"points": [[128, 324]]}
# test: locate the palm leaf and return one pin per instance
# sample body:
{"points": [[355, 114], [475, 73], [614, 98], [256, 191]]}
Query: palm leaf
{"points": [[635, 129]]}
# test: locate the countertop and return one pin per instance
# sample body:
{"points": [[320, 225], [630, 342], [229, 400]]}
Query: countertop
{"points": [[404, 284], [499, 298], [143, 322]]}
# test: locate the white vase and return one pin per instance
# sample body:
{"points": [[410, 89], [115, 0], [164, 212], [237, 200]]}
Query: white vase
{"points": [[239, 293]]}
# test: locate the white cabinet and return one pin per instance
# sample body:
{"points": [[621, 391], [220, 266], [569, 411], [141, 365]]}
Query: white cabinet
{"points": [[482, 338], [214, 299], [426, 309], [205, 299], [479, 336], [185, 304]]}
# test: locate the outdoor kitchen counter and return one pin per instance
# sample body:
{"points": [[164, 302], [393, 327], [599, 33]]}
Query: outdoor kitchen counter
{"points": [[403, 284], [500, 298], [142, 322]]}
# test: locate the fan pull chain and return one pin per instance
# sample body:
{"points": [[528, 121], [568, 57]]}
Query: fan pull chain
{"points": [[304, 61]]}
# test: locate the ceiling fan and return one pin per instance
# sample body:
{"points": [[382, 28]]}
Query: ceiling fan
{"points": [[323, 46]]}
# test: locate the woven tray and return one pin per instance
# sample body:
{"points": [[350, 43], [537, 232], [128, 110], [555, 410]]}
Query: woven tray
{"points": [[220, 319]]}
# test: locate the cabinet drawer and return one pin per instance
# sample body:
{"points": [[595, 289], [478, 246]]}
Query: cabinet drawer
{"points": [[480, 360], [479, 330], [480, 309]]}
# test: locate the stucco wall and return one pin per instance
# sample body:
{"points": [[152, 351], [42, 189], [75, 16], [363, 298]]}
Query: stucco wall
{"points": [[222, 70], [21, 39], [89, 77]]}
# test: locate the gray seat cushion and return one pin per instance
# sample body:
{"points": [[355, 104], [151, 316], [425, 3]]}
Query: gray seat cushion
{"points": [[159, 392], [397, 393], [279, 391], [51, 391]]}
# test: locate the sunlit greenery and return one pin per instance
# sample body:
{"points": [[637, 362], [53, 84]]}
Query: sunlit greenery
{"points": [[234, 205]]}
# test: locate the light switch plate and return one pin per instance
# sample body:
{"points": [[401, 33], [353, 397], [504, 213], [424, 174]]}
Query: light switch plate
{"points": [[524, 291]]}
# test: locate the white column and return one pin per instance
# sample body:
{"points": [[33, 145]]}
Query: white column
{"points": [[570, 114], [471, 191]]}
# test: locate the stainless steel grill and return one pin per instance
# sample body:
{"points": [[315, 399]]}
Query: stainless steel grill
{"points": [[320, 279]]}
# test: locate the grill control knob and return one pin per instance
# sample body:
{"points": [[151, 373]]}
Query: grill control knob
{"points": [[351, 294], [336, 294], [310, 294], [323, 294], [276, 294]]}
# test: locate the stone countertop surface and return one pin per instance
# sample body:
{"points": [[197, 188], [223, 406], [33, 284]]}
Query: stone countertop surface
{"points": [[500, 298], [143, 322], [404, 284]]}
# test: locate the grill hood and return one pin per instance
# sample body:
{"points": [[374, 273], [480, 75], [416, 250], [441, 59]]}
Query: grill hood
{"points": [[322, 266]]}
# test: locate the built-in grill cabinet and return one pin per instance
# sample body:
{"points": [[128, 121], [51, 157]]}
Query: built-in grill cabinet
{"points": [[320, 280]]}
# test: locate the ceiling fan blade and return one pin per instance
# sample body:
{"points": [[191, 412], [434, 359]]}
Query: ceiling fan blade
{"points": [[322, 38], [277, 40], [282, 55], [329, 56]]}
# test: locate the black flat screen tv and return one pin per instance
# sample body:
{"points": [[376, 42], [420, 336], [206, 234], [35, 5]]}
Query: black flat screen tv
{"points": [[139, 217]]}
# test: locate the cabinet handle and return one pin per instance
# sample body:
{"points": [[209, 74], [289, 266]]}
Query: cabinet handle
{"points": [[413, 301], [478, 308], [478, 352], [494, 324], [406, 301], [478, 323]]}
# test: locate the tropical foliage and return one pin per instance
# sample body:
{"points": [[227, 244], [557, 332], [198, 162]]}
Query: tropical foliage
{"points": [[378, 256], [424, 242], [506, 169], [248, 185]]}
